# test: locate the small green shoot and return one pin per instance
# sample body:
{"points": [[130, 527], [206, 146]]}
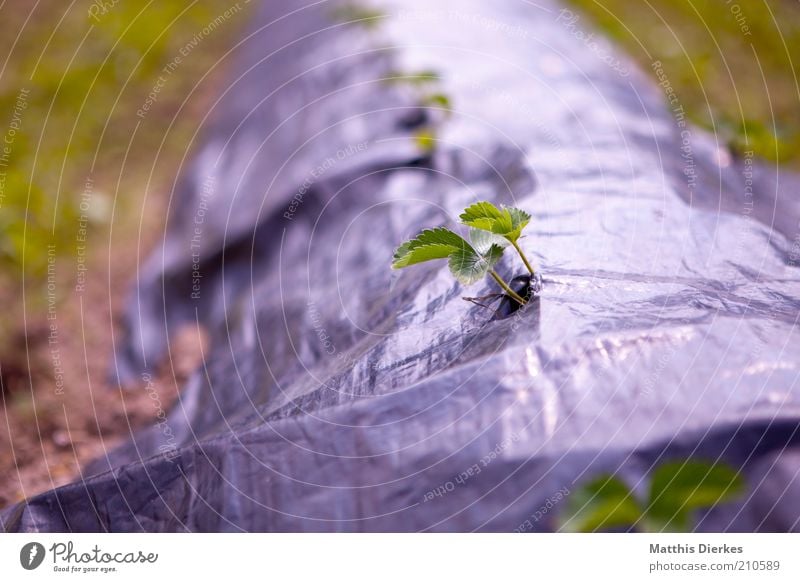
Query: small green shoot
{"points": [[439, 100], [676, 490], [425, 139], [426, 85], [491, 231]]}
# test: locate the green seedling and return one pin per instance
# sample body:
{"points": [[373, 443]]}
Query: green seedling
{"points": [[492, 229], [425, 139], [425, 84], [676, 490], [439, 100]]}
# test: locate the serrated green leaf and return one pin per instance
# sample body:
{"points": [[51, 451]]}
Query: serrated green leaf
{"points": [[604, 503], [519, 218], [482, 212], [407, 257], [506, 222], [439, 235], [431, 244], [678, 488], [514, 225], [482, 240], [468, 266]]}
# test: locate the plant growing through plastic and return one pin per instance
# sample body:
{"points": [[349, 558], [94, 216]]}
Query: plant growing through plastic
{"points": [[492, 230]]}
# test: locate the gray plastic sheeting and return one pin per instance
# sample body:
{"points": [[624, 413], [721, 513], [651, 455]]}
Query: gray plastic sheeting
{"points": [[340, 395]]}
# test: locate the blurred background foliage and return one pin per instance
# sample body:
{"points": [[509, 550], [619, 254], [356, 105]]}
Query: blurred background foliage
{"points": [[744, 87], [87, 75], [73, 78]]}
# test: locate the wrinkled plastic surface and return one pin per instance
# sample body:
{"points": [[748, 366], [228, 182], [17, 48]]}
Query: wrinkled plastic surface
{"points": [[338, 395]]}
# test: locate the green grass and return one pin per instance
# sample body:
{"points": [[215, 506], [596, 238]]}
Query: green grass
{"points": [[79, 148], [85, 79], [740, 82]]}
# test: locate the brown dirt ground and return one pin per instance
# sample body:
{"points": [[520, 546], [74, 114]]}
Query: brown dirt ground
{"points": [[48, 433]]}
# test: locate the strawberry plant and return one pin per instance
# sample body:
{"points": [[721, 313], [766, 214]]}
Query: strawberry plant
{"points": [[492, 230], [676, 490]]}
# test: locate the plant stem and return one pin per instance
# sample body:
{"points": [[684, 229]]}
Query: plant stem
{"points": [[514, 295], [524, 258]]}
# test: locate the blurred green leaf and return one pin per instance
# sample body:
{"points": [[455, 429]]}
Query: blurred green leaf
{"points": [[680, 487], [602, 504], [677, 489], [439, 99], [425, 140]]}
